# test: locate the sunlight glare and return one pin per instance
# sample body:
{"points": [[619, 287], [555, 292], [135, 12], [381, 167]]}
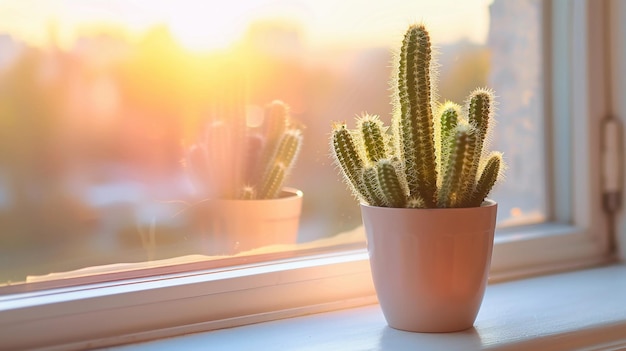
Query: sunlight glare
{"points": [[206, 25]]}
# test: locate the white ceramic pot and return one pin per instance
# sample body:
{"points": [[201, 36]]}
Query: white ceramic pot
{"points": [[430, 266], [241, 225]]}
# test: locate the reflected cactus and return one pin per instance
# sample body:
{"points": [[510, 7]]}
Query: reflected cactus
{"points": [[238, 162], [433, 155]]}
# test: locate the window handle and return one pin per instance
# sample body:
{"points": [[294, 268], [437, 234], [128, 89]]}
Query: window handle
{"points": [[612, 164]]}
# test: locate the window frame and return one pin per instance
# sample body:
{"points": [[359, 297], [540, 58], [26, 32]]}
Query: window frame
{"points": [[576, 234], [169, 304], [617, 105]]}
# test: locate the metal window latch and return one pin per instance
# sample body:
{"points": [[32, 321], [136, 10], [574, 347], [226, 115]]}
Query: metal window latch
{"points": [[612, 164]]}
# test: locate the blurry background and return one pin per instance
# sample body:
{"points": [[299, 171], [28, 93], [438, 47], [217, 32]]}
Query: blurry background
{"points": [[100, 98]]}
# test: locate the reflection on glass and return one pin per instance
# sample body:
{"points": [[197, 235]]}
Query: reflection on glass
{"points": [[100, 100]]}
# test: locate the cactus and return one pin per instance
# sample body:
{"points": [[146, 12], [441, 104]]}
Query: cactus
{"points": [[249, 165], [352, 165], [415, 118], [434, 153]]}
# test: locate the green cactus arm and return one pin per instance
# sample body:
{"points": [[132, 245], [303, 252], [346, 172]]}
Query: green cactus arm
{"points": [[272, 184], [275, 122], [390, 186], [468, 172], [448, 121], [460, 161], [370, 182], [285, 154], [415, 125], [344, 151], [373, 136], [487, 179], [480, 110], [289, 147]]}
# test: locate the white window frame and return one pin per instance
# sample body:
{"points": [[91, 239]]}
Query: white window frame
{"points": [[577, 235], [131, 310], [617, 105]]}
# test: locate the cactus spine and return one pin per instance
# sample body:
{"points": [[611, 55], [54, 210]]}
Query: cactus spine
{"points": [[436, 155], [264, 160]]}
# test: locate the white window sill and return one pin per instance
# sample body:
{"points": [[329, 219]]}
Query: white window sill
{"points": [[583, 310]]}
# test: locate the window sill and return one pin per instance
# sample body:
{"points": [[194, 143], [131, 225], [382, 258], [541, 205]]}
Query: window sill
{"points": [[583, 310]]}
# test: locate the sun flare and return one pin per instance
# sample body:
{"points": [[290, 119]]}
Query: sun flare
{"points": [[206, 25]]}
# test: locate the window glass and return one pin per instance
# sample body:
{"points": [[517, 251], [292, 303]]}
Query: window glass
{"points": [[516, 72], [101, 103]]}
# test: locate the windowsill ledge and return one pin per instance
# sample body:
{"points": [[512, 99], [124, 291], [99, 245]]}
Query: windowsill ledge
{"points": [[578, 310]]}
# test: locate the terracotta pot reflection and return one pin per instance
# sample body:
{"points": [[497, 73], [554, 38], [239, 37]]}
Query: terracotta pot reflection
{"points": [[233, 226]]}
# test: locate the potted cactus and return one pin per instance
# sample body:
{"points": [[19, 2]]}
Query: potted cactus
{"points": [[239, 172], [422, 187]]}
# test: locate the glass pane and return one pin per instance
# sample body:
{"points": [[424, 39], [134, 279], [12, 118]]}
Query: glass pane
{"points": [[516, 74], [102, 101]]}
